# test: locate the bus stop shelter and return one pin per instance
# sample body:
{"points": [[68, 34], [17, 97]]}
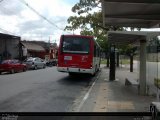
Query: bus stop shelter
{"points": [[135, 37], [136, 14]]}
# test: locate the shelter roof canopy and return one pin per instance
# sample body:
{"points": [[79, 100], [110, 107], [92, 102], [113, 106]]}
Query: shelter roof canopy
{"points": [[131, 13]]}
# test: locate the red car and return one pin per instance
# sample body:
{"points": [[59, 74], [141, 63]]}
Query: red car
{"points": [[12, 66]]}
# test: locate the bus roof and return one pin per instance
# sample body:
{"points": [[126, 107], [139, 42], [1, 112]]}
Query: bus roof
{"points": [[71, 35]]}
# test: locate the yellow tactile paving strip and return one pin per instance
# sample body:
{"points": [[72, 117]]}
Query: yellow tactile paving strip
{"points": [[120, 105], [103, 104]]}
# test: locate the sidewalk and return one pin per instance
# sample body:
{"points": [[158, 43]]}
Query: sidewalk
{"points": [[114, 96]]}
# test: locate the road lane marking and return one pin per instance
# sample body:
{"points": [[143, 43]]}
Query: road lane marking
{"points": [[85, 98], [86, 95]]}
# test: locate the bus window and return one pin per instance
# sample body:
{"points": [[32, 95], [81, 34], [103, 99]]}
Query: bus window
{"points": [[76, 45]]}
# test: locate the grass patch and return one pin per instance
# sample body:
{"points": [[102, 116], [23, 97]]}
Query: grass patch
{"points": [[121, 61], [157, 82], [124, 61], [104, 61]]}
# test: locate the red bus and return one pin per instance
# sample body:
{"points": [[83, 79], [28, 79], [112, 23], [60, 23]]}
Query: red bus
{"points": [[78, 54]]}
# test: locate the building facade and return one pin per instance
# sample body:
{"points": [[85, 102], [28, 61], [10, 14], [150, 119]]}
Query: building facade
{"points": [[40, 49], [9, 47]]}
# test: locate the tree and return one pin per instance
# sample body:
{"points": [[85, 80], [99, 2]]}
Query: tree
{"points": [[90, 21]]}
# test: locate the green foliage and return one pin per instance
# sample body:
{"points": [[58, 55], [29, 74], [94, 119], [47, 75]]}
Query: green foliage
{"points": [[127, 50], [89, 22], [85, 6]]}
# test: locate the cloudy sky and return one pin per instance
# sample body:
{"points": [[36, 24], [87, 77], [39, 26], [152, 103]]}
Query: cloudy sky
{"points": [[17, 18]]}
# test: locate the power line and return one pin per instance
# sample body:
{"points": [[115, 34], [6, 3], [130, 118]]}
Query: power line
{"points": [[43, 17]]}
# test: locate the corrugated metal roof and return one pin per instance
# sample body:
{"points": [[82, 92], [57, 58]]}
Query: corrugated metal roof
{"points": [[32, 46], [131, 13], [8, 36], [129, 37]]}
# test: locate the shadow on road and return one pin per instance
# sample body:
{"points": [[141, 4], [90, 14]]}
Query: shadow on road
{"points": [[78, 79]]}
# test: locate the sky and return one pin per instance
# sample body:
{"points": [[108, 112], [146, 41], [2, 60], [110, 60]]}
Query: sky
{"points": [[18, 19]]}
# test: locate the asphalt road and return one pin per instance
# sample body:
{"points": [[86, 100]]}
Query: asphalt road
{"points": [[43, 90]]}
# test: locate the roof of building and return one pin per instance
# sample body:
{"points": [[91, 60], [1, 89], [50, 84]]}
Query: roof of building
{"points": [[33, 46], [8, 36], [45, 45]]}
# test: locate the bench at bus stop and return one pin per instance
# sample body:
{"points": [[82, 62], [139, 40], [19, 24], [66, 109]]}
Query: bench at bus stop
{"points": [[155, 106], [131, 81], [155, 110]]}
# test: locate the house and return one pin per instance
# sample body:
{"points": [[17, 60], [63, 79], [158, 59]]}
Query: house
{"points": [[53, 51], [32, 50], [40, 49]]}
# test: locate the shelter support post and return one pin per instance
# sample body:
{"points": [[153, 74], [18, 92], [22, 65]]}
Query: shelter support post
{"points": [[142, 73], [112, 63], [108, 54], [117, 60], [131, 62], [107, 59]]}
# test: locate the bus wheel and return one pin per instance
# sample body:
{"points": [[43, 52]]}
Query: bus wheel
{"points": [[71, 74], [93, 74], [98, 68]]}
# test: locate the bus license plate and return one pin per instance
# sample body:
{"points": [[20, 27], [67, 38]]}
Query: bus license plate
{"points": [[67, 57]]}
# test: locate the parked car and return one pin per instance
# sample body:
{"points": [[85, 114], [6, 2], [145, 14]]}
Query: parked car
{"points": [[12, 66], [35, 63], [52, 62]]}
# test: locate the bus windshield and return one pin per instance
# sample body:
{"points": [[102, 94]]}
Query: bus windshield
{"points": [[76, 45]]}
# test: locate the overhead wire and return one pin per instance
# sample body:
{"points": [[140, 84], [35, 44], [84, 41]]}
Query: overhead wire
{"points": [[43, 17], [40, 15]]}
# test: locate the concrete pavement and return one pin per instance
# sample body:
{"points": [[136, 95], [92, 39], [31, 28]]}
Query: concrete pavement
{"points": [[114, 96]]}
